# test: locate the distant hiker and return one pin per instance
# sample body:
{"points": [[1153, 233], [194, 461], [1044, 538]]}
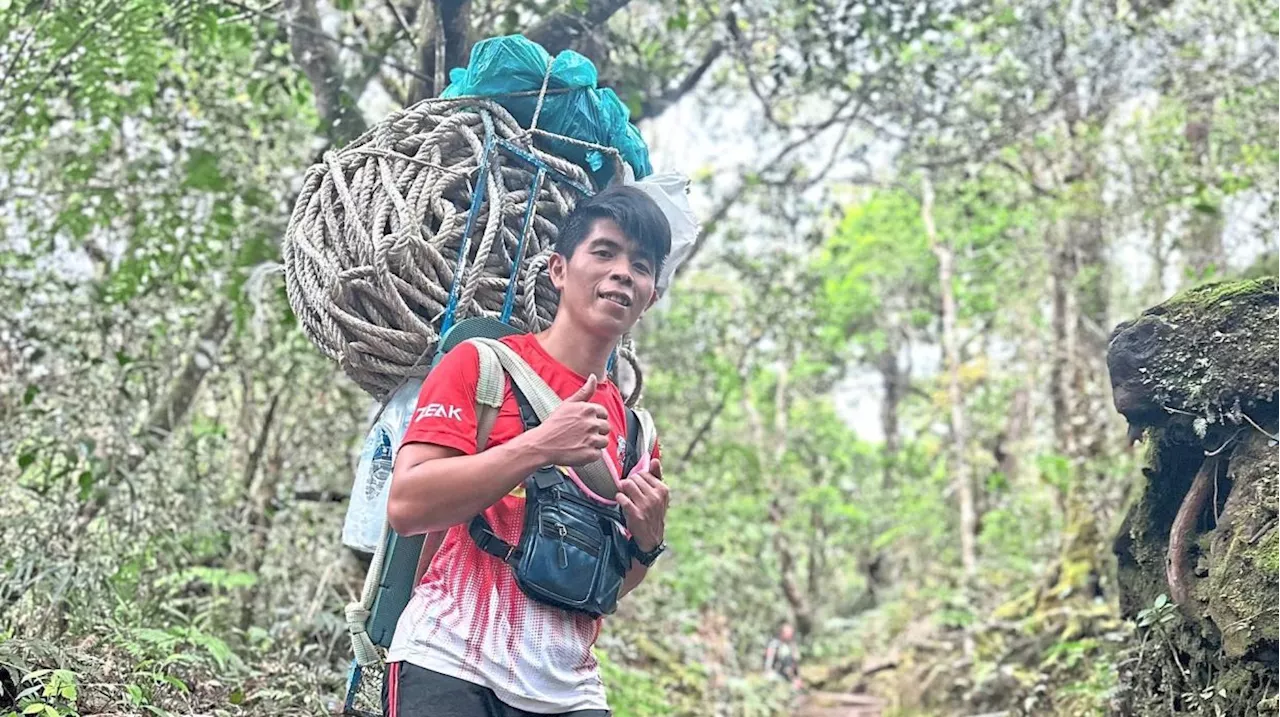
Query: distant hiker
{"points": [[782, 656], [472, 640]]}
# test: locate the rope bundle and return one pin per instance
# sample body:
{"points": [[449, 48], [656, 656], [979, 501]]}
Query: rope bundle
{"points": [[373, 244]]}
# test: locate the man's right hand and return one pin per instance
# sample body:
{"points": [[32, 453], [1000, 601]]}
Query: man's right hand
{"points": [[576, 432]]}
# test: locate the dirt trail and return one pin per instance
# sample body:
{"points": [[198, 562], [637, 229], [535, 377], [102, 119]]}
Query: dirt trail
{"points": [[834, 704]]}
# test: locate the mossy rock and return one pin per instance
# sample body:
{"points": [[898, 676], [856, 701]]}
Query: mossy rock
{"points": [[1197, 376], [1208, 354]]}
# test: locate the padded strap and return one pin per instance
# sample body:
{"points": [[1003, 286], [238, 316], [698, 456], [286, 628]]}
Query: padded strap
{"points": [[489, 387]]}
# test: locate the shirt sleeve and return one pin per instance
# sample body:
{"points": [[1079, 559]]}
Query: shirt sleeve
{"points": [[446, 411]]}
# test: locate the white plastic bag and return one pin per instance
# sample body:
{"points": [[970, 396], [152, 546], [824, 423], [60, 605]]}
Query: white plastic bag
{"points": [[669, 190], [367, 509]]}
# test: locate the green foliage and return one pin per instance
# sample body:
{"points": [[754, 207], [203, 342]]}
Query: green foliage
{"points": [[632, 692], [1162, 613], [47, 693]]}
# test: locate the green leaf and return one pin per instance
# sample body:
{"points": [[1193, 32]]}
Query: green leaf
{"points": [[135, 694], [85, 482], [1162, 600], [236, 697], [34, 708], [25, 460], [203, 172], [30, 394]]}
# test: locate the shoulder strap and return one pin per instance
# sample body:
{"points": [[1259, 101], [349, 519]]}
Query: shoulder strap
{"points": [[489, 387], [648, 432], [489, 384], [486, 415], [632, 456]]}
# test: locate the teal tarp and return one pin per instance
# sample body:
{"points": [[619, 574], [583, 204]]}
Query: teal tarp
{"points": [[513, 63]]}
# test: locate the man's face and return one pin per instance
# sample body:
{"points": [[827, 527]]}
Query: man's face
{"points": [[608, 282]]}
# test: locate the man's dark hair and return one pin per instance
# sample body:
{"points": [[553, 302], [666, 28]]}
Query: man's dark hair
{"points": [[635, 213]]}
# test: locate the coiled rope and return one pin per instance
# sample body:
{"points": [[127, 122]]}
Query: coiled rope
{"points": [[443, 211]]}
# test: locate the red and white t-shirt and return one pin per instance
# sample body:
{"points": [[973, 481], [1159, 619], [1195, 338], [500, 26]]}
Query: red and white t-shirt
{"points": [[467, 618]]}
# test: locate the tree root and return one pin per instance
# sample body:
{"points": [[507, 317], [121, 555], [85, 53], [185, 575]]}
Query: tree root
{"points": [[1178, 569]]}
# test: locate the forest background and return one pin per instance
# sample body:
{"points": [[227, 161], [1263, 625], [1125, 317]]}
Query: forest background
{"points": [[880, 380]]}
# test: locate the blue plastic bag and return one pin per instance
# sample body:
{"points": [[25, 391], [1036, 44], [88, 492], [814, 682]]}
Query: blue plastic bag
{"points": [[510, 70]]}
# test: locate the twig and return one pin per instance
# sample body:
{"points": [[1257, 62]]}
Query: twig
{"points": [[326, 37], [249, 13], [1176, 661], [1216, 476], [391, 5], [89, 26], [1268, 435], [1225, 443], [1257, 534], [724, 399], [13, 61]]}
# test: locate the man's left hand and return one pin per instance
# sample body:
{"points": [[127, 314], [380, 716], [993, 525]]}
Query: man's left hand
{"points": [[644, 500]]}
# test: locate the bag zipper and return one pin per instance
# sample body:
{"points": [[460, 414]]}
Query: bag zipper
{"points": [[578, 538]]}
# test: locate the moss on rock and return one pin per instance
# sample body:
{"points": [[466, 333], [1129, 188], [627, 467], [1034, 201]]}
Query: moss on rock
{"points": [[1210, 352]]}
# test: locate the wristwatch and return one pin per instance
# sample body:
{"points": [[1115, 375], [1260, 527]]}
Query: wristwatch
{"points": [[646, 559]]}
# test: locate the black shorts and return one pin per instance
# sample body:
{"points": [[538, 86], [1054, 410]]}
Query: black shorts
{"points": [[411, 691]]}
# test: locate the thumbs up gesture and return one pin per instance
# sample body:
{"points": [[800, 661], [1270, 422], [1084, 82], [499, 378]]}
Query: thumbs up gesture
{"points": [[576, 432]]}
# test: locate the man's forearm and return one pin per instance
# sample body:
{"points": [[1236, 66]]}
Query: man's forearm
{"points": [[439, 493]]}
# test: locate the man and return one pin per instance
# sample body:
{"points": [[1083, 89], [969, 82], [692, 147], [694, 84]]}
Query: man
{"points": [[782, 656], [470, 642]]}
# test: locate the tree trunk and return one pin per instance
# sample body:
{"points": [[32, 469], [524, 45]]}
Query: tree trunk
{"points": [[260, 488], [448, 25], [318, 58], [959, 468], [894, 381], [769, 462], [1081, 283], [1203, 249]]}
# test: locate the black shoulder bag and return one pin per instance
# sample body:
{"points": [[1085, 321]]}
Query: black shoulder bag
{"points": [[572, 552]]}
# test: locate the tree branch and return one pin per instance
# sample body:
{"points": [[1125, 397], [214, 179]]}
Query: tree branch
{"points": [[448, 24], [654, 106], [171, 409], [740, 370], [729, 200], [560, 30], [565, 29], [319, 61]]}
